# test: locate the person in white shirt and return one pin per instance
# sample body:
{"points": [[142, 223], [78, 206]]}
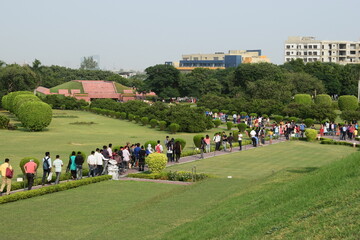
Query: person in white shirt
{"points": [[217, 140], [99, 161], [91, 161], [110, 150], [253, 137], [46, 166], [240, 136], [126, 157], [58, 163]]}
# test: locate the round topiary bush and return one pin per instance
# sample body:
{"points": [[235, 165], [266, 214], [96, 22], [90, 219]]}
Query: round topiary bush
{"points": [[144, 121], [153, 123], [137, 119], [35, 116], [229, 125], [278, 118], [174, 127], [323, 99], [162, 125], [242, 127], [27, 159], [22, 98], [293, 119], [131, 117], [348, 103], [197, 140], [156, 162], [309, 122], [303, 99], [253, 115], [224, 111], [311, 134], [182, 142], [4, 121], [243, 114], [123, 115], [217, 122], [265, 116], [153, 144], [215, 110], [11, 97], [4, 102]]}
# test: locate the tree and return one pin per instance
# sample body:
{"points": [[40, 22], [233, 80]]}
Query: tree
{"points": [[17, 78], [305, 83], [89, 63], [163, 80]]}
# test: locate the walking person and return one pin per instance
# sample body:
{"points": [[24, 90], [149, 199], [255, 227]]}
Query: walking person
{"points": [[99, 162], [72, 165], [46, 167], [142, 155], [240, 137], [58, 163], [126, 157], [91, 161], [207, 141], [79, 160], [6, 179], [30, 170], [177, 151], [224, 139], [202, 147], [217, 140], [106, 158], [230, 140]]}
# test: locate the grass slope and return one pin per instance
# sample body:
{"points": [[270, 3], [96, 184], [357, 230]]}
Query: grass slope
{"points": [[68, 85], [120, 88], [295, 203]]}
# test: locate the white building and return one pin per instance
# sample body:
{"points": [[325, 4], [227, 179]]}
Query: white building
{"points": [[310, 50]]}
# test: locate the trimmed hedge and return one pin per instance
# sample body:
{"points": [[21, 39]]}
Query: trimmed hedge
{"points": [[323, 99], [197, 139], [153, 144], [156, 162], [51, 189], [217, 122], [11, 97], [182, 176], [21, 99], [229, 125], [309, 122], [4, 121], [144, 121], [174, 127], [35, 116], [242, 127], [303, 99], [348, 103], [162, 125], [311, 134], [153, 123], [182, 142], [278, 118]]}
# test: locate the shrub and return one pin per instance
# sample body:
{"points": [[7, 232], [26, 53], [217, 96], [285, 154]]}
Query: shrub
{"points": [[117, 115], [225, 111], [153, 123], [243, 114], [235, 134], [131, 117], [162, 125], [335, 105], [348, 103], [153, 144], [197, 140], [35, 116], [156, 162], [20, 99], [11, 97], [350, 116], [309, 122], [174, 127], [303, 99], [123, 115], [4, 121], [229, 125], [182, 142], [278, 118], [323, 99], [242, 127], [293, 119], [144, 121], [4, 102], [310, 134], [215, 110], [265, 116], [217, 122], [233, 112], [137, 119], [253, 115], [27, 159]]}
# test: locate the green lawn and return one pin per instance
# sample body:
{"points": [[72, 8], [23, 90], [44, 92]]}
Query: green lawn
{"points": [[68, 85], [62, 137], [308, 191]]}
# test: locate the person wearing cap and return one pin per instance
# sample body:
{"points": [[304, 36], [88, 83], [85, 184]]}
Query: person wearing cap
{"points": [[5, 180], [30, 169]]}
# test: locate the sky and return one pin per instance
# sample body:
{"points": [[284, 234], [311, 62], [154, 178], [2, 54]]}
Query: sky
{"points": [[136, 34]]}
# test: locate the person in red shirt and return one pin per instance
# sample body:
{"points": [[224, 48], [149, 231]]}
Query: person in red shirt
{"points": [[30, 170]]}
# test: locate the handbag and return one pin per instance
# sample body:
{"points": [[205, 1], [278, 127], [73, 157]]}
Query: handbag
{"points": [[9, 173], [49, 177]]}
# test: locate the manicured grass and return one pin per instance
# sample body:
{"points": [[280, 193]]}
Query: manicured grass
{"points": [[280, 206], [62, 137], [120, 88], [264, 161], [68, 85]]}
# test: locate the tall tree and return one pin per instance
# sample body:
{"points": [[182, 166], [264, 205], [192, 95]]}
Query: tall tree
{"points": [[89, 63]]}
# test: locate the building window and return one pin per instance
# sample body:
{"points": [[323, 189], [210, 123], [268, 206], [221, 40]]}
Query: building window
{"points": [[305, 46], [315, 53], [288, 46], [310, 46], [288, 53], [315, 46], [196, 58], [305, 53]]}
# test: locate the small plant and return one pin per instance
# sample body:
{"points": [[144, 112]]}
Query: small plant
{"points": [[83, 123], [229, 125], [4, 121], [131, 117], [310, 134], [156, 162], [162, 125], [197, 140], [153, 123], [137, 119], [309, 122], [123, 115], [174, 127], [242, 127], [217, 122], [144, 121]]}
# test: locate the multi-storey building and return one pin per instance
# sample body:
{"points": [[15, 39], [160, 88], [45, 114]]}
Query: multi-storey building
{"points": [[310, 50], [219, 60]]}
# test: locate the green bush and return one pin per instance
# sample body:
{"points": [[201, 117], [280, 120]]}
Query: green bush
{"points": [[224, 111], [215, 110], [51, 189], [335, 105], [293, 119], [123, 115], [265, 116], [243, 114], [197, 140], [348, 103], [171, 176], [217, 122], [235, 135], [137, 119], [4, 121], [27, 159], [350, 116], [309, 122], [181, 141], [278, 118], [162, 125], [253, 115], [20, 99], [131, 117], [35, 116], [144, 121], [229, 125], [153, 123], [323, 99], [303, 99], [311, 134], [156, 162], [4, 102], [153, 144], [174, 127], [11, 97], [242, 127]]}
